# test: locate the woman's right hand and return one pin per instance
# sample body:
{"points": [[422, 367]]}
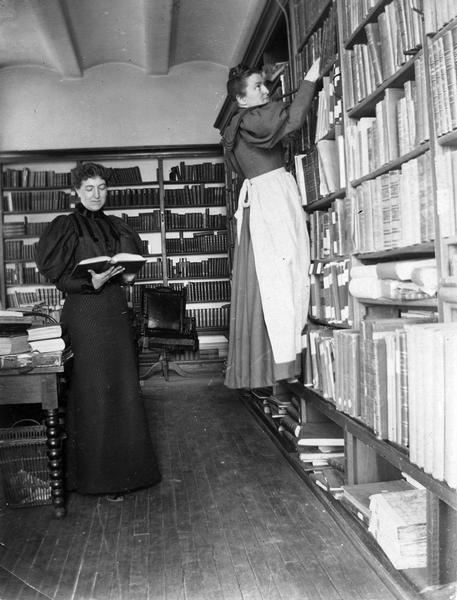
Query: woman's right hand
{"points": [[313, 71], [99, 279]]}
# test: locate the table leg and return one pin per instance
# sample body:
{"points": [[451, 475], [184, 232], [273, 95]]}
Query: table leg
{"points": [[55, 461]]}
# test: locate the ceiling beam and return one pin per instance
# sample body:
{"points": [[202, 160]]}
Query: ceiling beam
{"points": [[57, 35], [158, 21]]}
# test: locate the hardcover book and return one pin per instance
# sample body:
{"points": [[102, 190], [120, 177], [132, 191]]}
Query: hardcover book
{"points": [[320, 434], [132, 263], [44, 333]]}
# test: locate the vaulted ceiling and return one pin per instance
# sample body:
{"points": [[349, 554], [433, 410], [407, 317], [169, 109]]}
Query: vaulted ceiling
{"points": [[71, 36]]}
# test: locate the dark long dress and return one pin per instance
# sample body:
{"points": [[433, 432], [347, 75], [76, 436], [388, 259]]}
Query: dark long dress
{"points": [[109, 448]]}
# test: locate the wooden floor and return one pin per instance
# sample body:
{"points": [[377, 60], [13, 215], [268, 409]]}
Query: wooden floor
{"points": [[231, 520]]}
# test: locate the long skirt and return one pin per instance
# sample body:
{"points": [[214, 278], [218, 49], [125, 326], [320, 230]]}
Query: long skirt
{"points": [[109, 447], [283, 258]]}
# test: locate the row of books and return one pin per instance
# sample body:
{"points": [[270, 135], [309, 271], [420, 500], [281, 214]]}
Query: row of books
{"points": [[205, 171], [330, 231], [23, 228], [321, 170], [19, 250], [305, 137], [330, 107], [145, 221], [395, 209], [438, 13], [390, 41], [47, 296], [38, 201], [210, 267], [183, 268], [195, 220], [214, 291], [329, 291], [217, 317], [395, 131], [124, 176], [195, 195], [446, 182], [19, 274], [443, 74], [322, 43], [23, 178], [383, 380], [127, 197], [26, 178], [353, 13], [306, 13], [215, 241]]}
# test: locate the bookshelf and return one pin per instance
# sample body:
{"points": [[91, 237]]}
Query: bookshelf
{"points": [[389, 112], [174, 197]]}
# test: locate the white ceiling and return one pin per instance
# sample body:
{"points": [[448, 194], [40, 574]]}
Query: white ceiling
{"points": [[71, 36]]}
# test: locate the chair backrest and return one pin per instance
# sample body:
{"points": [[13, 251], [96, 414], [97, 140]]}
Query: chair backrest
{"points": [[164, 308]]}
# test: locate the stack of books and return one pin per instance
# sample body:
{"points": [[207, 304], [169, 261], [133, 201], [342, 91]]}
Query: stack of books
{"points": [[47, 345], [356, 497], [14, 345], [398, 521], [319, 442]]}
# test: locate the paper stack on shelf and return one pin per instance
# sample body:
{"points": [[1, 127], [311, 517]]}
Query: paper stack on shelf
{"points": [[398, 522]]}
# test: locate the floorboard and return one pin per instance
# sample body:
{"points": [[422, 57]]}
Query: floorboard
{"points": [[231, 520]]}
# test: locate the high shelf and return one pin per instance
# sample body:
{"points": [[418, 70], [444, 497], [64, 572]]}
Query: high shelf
{"points": [[173, 196], [375, 163]]}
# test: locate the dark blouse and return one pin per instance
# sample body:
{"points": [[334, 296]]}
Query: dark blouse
{"points": [[82, 234], [254, 134]]}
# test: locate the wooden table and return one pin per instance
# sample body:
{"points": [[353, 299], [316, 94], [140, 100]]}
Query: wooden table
{"points": [[41, 385]]}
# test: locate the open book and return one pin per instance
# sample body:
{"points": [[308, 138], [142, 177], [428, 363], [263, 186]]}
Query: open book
{"points": [[132, 263]]}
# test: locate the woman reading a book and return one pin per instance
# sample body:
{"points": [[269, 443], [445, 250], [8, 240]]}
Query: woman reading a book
{"points": [[270, 283], [109, 450]]}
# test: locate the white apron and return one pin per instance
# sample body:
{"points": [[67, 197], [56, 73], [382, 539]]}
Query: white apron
{"points": [[280, 244]]}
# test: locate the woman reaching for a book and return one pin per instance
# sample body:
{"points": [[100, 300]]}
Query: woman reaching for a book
{"points": [[270, 283], [109, 449]]}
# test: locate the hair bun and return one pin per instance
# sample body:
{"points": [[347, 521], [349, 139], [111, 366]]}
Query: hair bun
{"points": [[238, 71]]}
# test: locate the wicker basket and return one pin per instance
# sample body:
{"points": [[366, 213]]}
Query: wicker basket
{"points": [[23, 465]]}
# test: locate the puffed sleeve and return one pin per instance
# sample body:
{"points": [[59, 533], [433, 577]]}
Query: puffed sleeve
{"points": [[55, 256], [130, 241], [266, 125]]}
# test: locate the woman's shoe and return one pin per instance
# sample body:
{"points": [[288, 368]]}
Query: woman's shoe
{"points": [[115, 497]]}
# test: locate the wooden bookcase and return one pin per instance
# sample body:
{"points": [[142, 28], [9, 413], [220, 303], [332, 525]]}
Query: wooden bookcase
{"points": [[173, 196], [338, 247]]}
